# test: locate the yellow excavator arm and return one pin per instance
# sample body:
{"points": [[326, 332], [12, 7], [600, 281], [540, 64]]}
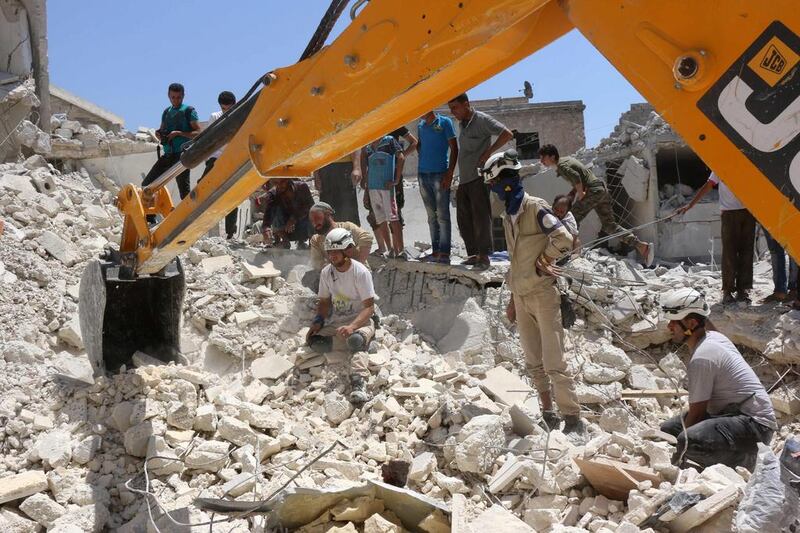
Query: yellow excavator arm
{"points": [[723, 73]]}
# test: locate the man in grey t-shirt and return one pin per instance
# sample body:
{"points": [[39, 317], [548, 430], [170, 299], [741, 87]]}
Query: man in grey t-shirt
{"points": [[473, 211], [729, 410]]}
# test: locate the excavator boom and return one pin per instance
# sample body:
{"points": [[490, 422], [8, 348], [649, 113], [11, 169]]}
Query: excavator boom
{"points": [[723, 73]]}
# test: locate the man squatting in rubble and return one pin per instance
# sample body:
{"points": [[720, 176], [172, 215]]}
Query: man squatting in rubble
{"points": [[536, 239], [589, 193], [322, 219], [730, 412], [345, 309]]}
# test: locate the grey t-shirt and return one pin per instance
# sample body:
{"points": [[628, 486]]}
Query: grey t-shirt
{"points": [[474, 137], [719, 374]]}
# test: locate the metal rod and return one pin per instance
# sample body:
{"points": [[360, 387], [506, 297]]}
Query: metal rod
{"points": [[171, 173]]}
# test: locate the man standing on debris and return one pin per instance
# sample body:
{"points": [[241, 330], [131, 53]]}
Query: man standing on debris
{"points": [[337, 184], [321, 216], [738, 235], [730, 412], [286, 208], [226, 99], [536, 239], [345, 309], [179, 123], [384, 166], [589, 193], [473, 211], [435, 171]]}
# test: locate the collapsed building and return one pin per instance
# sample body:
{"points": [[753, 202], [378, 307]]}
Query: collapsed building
{"points": [[252, 431], [256, 422]]}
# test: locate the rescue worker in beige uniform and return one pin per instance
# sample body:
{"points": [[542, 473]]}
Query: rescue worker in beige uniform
{"points": [[536, 239], [321, 215]]}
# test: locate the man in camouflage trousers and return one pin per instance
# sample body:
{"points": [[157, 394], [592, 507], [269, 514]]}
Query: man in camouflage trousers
{"points": [[590, 194]]}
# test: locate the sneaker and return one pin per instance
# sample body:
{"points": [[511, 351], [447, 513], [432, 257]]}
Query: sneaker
{"points": [[320, 344], [727, 298], [356, 342], [742, 296], [550, 420], [358, 390], [469, 261], [574, 424]]}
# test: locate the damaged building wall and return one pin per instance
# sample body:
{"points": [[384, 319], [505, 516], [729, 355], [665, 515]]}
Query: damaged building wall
{"points": [[23, 48], [650, 172], [533, 124]]}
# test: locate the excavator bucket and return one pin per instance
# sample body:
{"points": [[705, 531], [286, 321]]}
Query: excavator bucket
{"points": [[121, 314]]}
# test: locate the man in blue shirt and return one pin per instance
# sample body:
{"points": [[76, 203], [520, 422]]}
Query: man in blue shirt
{"points": [[436, 136], [179, 124]]}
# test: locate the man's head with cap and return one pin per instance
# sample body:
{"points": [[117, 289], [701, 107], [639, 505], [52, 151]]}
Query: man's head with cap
{"points": [[321, 216]]}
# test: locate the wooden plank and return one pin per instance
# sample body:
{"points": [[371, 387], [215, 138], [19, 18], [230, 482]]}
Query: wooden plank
{"points": [[614, 479], [631, 394]]}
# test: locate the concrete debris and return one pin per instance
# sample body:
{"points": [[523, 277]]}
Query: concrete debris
{"points": [[252, 405]]}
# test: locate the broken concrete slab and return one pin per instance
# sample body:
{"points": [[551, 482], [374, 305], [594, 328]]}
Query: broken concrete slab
{"points": [[212, 264], [272, 366], [499, 520], [59, 248], [265, 270], [22, 485], [505, 387]]}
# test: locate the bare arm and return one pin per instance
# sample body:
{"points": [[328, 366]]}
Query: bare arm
{"points": [[451, 167], [398, 169], [413, 142], [323, 309], [707, 186], [356, 174], [697, 411], [501, 140]]}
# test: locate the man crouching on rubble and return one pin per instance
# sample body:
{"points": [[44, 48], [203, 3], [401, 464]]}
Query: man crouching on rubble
{"points": [[536, 239], [345, 309], [729, 410]]}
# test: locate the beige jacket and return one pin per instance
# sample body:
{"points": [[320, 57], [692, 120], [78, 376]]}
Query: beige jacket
{"points": [[317, 243], [534, 231]]}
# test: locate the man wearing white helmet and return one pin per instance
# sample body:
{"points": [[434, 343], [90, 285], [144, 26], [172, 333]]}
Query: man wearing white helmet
{"points": [[729, 410], [536, 239], [345, 309]]}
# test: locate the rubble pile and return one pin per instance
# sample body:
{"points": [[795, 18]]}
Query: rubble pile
{"points": [[450, 438], [72, 140]]}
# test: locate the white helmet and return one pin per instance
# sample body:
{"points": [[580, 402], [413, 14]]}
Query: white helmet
{"points": [[499, 162], [682, 302], [338, 239]]}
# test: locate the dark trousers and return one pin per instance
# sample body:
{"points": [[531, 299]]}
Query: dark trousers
{"points": [[230, 218], [730, 440], [302, 228], [339, 192], [162, 164], [738, 235], [474, 217]]}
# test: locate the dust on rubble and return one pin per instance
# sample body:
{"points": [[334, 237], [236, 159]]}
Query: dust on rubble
{"points": [[253, 407]]}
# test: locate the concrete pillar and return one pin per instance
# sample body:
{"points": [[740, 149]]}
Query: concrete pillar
{"points": [[37, 24]]}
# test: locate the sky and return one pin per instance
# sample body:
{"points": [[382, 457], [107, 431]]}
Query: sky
{"points": [[123, 55]]}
